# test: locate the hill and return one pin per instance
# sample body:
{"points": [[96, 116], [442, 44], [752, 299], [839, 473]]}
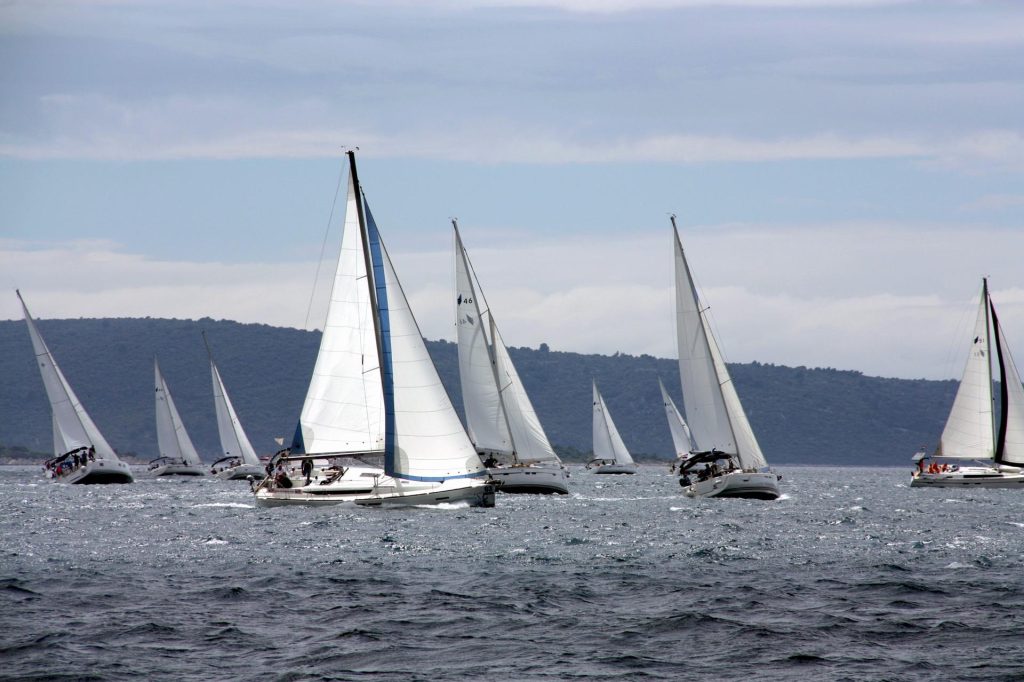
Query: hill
{"points": [[800, 415]]}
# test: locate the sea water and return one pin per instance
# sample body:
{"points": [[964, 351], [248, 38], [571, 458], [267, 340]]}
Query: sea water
{"points": [[851, 575]]}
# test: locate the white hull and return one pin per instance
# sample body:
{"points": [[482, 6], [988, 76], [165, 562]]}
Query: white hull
{"points": [[543, 478], [390, 493], [615, 469], [758, 486], [241, 472], [178, 470], [969, 477], [100, 471]]}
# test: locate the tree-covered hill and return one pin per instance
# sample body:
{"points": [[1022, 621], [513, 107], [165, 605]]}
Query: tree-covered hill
{"points": [[800, 415]]}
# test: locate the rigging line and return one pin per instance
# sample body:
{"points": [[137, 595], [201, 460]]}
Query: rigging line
{"points": [[323, 245]]}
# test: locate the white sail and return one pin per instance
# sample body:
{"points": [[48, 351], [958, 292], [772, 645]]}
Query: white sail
{"points": [[344, 407], [233, 441], [969, 429], [608, 443], [1012, 427], [531, 443], [713, 409], [485, 418], [425, 439], [72, 426], [171, 437], [681, 439]]}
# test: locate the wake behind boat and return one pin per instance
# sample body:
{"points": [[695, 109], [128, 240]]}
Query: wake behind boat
{"points": [[972, 432], [726, 460], [500, 418], [375, 392], [610, 453], [82, 454]]}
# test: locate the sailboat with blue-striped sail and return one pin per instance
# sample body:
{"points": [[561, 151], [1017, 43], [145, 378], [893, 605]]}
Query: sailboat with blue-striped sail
{"points": [[375, 395]]}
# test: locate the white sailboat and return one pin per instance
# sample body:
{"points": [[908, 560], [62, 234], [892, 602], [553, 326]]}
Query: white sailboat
{"points": [[375, 393], [500, 418], [682, 440], [726, 460], [238, 458], [610, 453], [178, 457], [81, 453], [972, 431]]}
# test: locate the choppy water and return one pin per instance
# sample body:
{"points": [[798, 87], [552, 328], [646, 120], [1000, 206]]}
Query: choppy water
{"points": [[851, 576]]}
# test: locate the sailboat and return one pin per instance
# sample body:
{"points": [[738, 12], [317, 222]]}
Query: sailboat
{"points": [[500, 418], [81, 453], [375, 393], [972, 431], [178, 457], [610, 453], [238, 458], [682, 440], [726, 460]]}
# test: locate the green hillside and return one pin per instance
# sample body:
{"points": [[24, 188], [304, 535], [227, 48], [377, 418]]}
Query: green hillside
{"points": [[800, 415]]}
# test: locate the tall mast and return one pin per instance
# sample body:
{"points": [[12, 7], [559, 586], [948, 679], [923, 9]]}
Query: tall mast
{"points": [[488, 343], [371, 282]]}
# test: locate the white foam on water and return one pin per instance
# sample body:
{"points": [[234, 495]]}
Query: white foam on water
{"points": [[215, 541], [233, 505]]}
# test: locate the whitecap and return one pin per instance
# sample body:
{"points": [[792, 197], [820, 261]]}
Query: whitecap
{"points": [[233, 505]]}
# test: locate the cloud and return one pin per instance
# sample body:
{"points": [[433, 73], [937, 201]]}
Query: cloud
{"points": [[995, 202], [893, 300]]}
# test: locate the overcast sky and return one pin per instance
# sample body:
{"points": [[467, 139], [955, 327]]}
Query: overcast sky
{"points": [[844, 171]]}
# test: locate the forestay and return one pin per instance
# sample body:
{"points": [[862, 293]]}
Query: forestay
{"points": [[969, 429], [344, 407], [72, 426], [608, 443], [171, 437]]}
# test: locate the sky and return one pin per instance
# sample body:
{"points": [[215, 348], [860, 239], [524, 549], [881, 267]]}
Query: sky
{"points": [[844, 171]]}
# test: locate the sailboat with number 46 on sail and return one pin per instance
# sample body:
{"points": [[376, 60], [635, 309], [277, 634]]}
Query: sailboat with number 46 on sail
{"points": [[972, 431]]}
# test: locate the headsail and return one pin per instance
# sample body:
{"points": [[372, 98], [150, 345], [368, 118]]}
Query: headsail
{"points": [[682, 441], [1010, 440], [608, 443], [72, 426], [233, 440], [424, 439], [171, 437], [713, 409], [969, 428], [344, 407]]}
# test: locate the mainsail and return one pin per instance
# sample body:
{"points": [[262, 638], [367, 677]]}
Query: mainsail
{"points": [[171, 437], [608, 443], [713, 409], [72, 426], [499, 414], [233, 440], [344, 407], [682, 441]]}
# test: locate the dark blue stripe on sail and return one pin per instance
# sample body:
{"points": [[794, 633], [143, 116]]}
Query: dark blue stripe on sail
{"points": [[298, 445], [386, 371]]}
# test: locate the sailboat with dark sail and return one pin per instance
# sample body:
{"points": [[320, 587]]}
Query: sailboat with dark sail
{"points": [[974, 431]]}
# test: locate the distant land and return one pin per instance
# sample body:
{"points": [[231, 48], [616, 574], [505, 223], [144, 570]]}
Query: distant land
{"points": [[800, 415]]}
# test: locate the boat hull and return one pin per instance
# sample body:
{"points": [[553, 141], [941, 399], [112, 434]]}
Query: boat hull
{"points": [[988, 478], [98, 472], [544, 479], [756, 486], [241, 472], [615, 469], [177, 470], [470, 493]]}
